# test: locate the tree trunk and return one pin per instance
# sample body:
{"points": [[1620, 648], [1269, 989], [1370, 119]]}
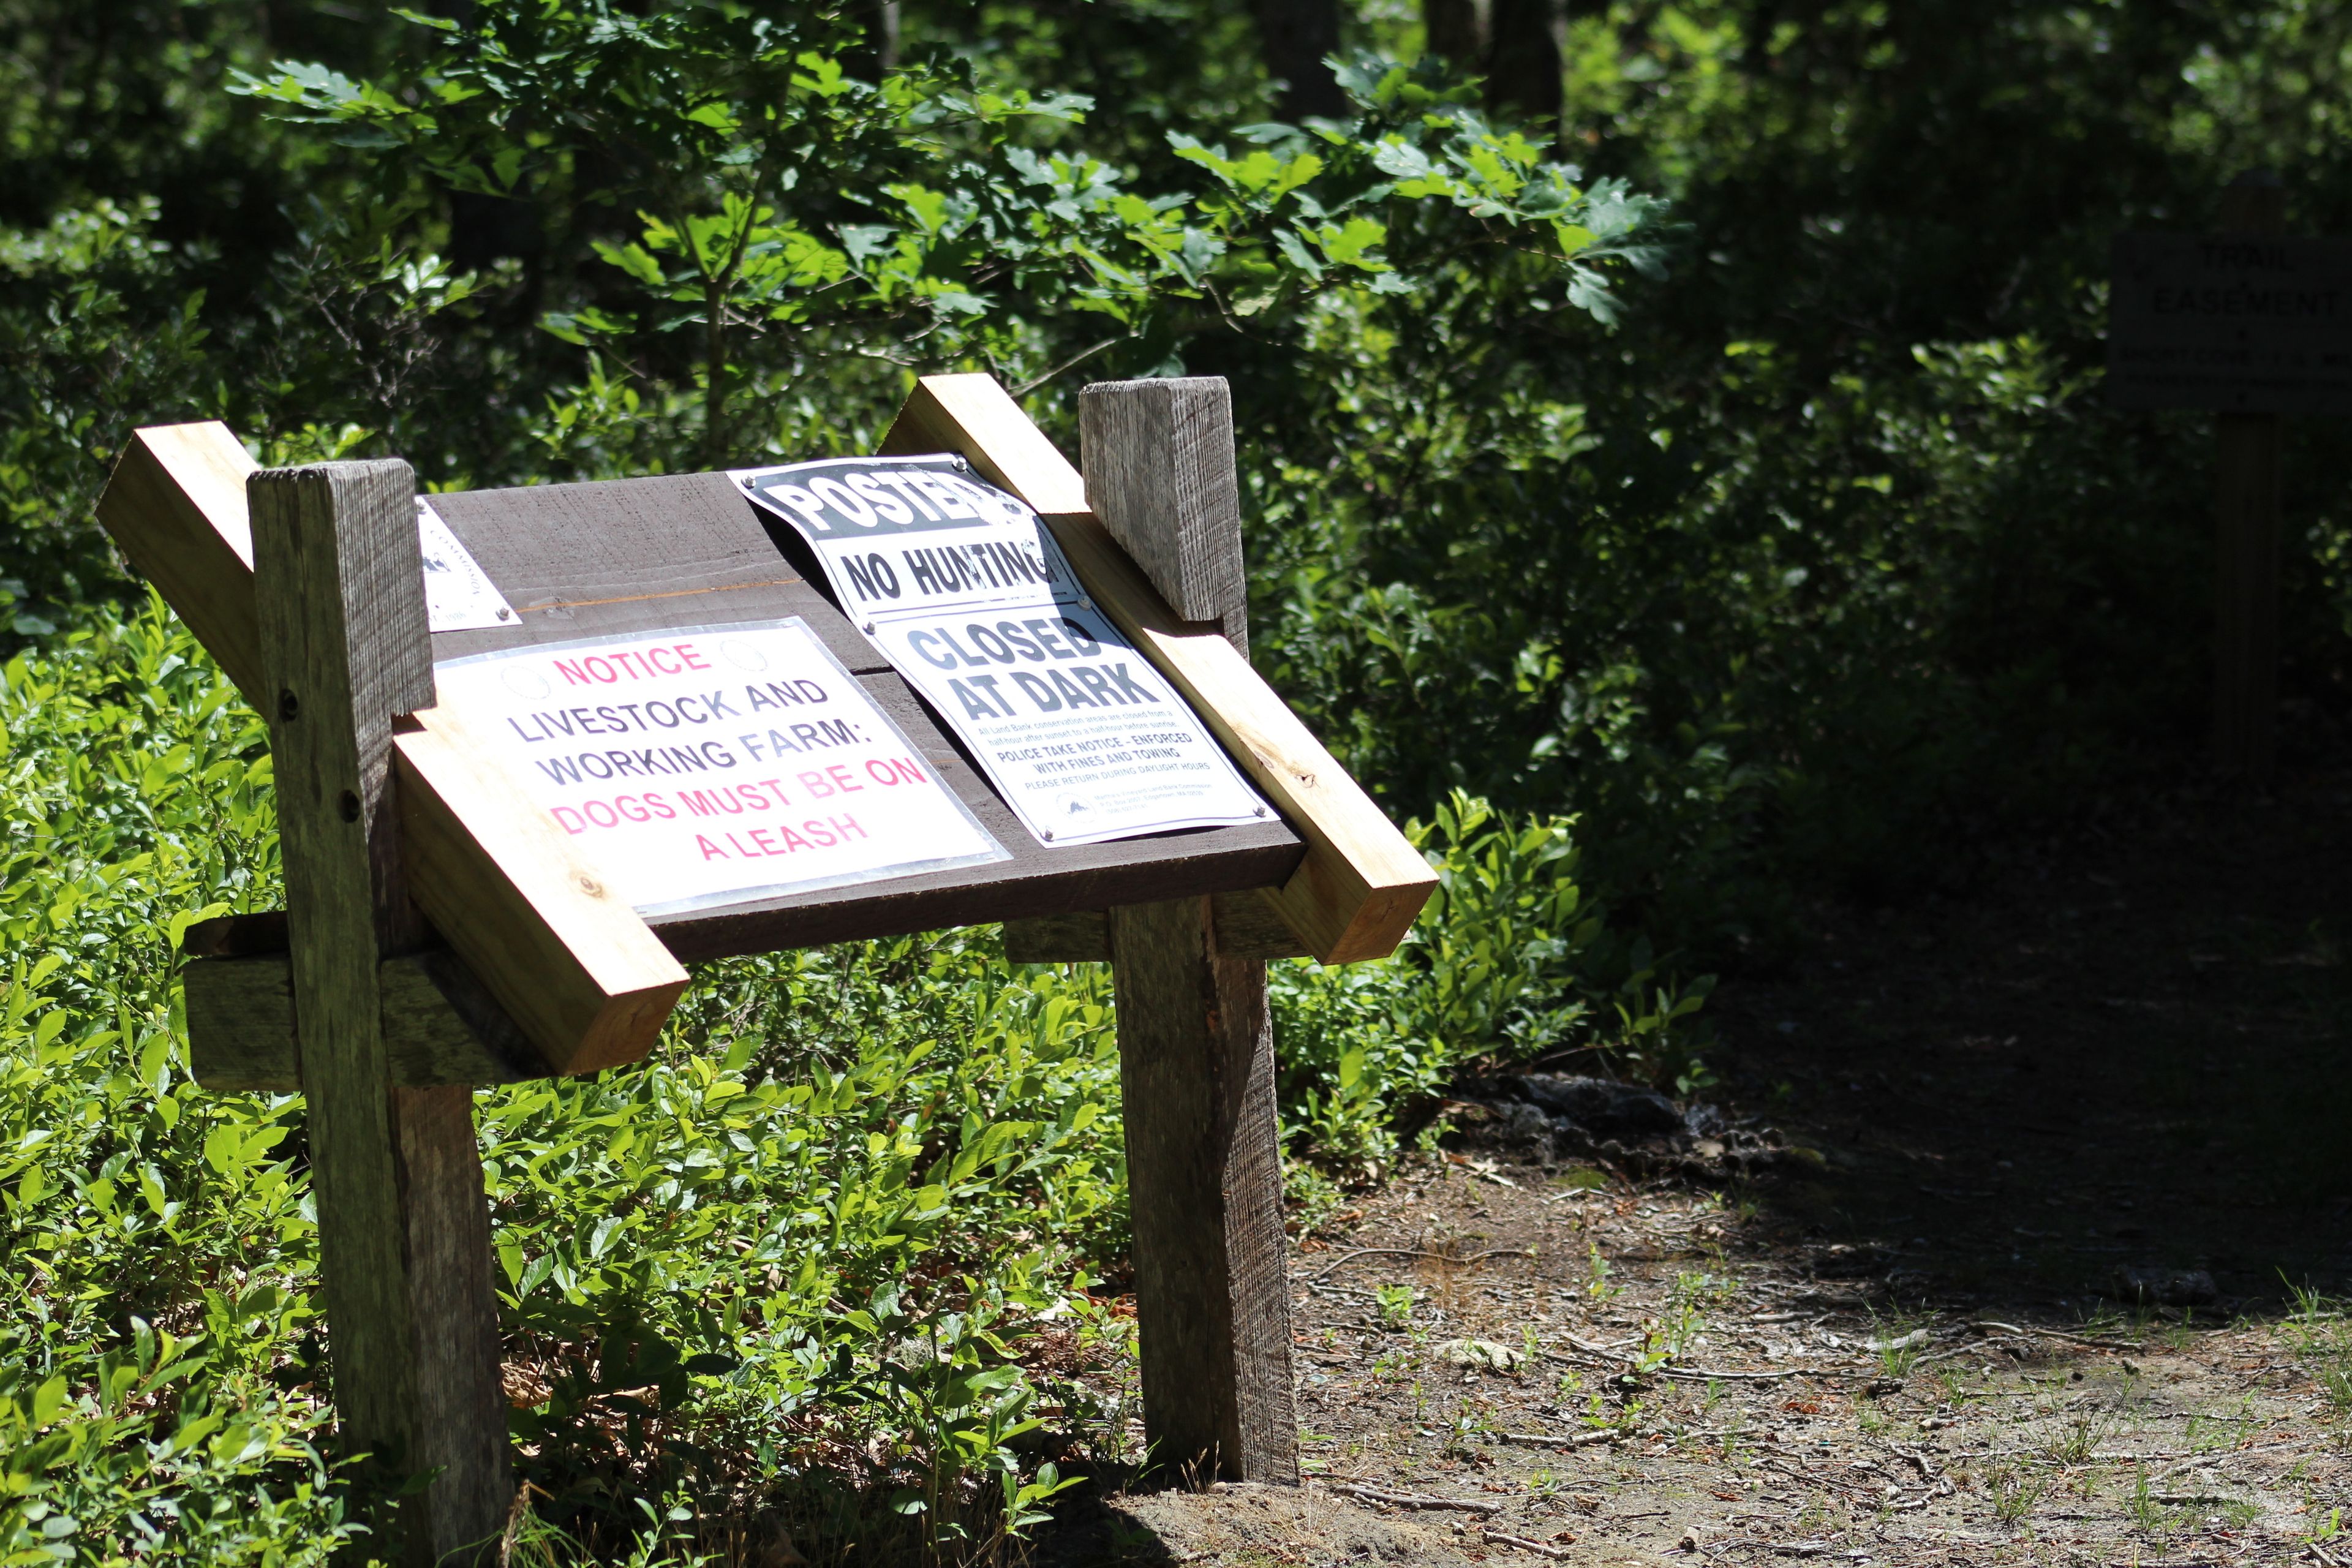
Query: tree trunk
{"points": [[1523, 61], [1453, 30], [1294, 35], [877, 55]]}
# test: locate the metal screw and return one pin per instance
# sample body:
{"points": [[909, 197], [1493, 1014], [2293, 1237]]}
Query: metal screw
{"points": [[1048, 833], [1259, 810]]}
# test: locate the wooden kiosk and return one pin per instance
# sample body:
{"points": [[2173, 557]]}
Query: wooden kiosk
{"points": [[442, 933]]}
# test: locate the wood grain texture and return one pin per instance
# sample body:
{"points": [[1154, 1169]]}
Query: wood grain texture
{"points": [[339, 590], [2249, 465], [460, 1412], [344, 642], [973, 415], [1212, 1300], [1196, 1051], [631, 556], [1360, 885], [575, 968], [1245, 926], [242, 1034], [1158, 458], [1082, 936], [175, 505]]}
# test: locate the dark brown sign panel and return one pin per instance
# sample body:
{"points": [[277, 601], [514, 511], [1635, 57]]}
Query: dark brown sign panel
{"points": [[2237, 323]]}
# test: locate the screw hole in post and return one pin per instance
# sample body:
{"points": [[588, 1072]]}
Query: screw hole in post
{"points": [[350, 804], [287, 706]]}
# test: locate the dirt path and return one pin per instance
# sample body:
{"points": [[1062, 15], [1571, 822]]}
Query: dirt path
{"points": [[2129, 1056]]}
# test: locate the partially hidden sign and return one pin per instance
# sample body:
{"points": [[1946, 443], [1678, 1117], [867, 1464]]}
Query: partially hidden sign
{"points": [[2238, 323], [713, 765], [962, 589]]}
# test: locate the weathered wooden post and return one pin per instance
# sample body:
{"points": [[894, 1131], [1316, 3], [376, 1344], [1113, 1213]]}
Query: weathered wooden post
{"points": [[403, 1228], [2246, 541], [1196, 1045]]}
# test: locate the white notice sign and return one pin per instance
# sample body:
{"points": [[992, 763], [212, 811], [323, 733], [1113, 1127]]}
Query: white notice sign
{"points": [[459, 594], [714, 766], [963, 590]]}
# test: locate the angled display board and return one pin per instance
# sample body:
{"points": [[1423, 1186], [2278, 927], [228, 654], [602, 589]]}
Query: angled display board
{"points": [[538, 748], [610, 560]]}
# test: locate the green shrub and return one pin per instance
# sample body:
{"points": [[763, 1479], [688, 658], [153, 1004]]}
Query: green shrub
{"points": [[830, 1217], [837, 1238], [1510, 964]]}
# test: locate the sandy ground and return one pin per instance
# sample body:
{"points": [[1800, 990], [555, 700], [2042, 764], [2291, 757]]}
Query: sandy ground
{"points": [[2023, 1290]]}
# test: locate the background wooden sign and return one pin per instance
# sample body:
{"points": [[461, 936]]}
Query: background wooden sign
{"points": [[2254, 326], [2246, 324], [443, 933]]}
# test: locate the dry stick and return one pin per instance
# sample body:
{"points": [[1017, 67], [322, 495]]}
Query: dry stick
{"points": [[1415, 1499], [1496, 1538], [1420, 1252], [2062, 1334], [1579, 1440], [1693, 1374]]}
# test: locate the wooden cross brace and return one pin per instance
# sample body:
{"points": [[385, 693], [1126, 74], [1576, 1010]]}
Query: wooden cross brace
{"points": [[443, 935]]}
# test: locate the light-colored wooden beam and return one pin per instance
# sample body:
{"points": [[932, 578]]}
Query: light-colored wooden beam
{"points": [[175, 505], [973, 415], [583, 975], [570, 962], [1356, 893]]}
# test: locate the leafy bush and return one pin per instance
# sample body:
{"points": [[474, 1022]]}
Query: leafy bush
{"points": [[837, 1239], [823, 1227], [1510, 964]]}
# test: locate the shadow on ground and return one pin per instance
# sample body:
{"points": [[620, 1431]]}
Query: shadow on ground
{"points": [[2135, 1053], [2019, 1293]]}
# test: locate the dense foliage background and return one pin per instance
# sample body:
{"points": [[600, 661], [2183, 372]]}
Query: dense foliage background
{"points": [[1702, 440]]}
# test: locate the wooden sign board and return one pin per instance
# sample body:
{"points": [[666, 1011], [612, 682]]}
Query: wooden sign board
{"points": [[637, 555], [396, 816], [1331, 879], [2240, 323]]}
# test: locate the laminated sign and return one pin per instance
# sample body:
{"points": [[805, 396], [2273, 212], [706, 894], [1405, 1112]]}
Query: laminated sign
{"points": [[963, 590], [459, 594], [714, 764]]}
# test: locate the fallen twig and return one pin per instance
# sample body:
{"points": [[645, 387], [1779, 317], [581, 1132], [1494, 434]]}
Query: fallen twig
{"points": [[2062, 1334], [1417, 1500], [1357, 1252], [1579, 1440], [1496, 1538], [1696, 1374]]}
